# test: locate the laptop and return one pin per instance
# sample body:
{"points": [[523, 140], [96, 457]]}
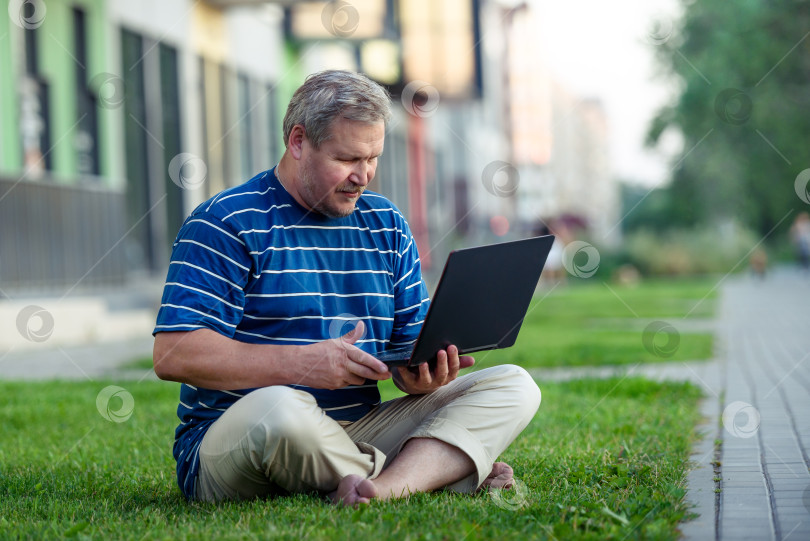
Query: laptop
{"points": [[480, 302]]}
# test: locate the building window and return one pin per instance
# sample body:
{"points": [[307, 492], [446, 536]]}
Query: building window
{"points": [[152, 127], [172, 136], [35, 118], [85, 140], [139, 244]]}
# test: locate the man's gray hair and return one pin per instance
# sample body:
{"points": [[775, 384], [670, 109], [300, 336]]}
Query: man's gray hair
{"points": [[326, 95]]}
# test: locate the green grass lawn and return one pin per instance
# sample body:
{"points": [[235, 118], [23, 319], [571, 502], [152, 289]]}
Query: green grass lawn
{"points": [[601, 324], [601, 460]]}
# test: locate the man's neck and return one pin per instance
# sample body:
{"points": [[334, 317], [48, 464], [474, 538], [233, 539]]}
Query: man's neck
{"points": [[286, 175]]}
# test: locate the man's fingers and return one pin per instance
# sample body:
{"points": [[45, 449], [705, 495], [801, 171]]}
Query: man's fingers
{"points": [[367, 373], [367, 366], [465, 361], [453, 362], [424, 372], [355, 334], [357, 374], [442, 368]]}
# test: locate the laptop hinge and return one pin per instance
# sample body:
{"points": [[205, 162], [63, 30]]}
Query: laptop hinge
{"points": [[481, 348]]}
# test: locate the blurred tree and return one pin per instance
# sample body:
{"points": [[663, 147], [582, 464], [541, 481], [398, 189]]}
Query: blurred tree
{"points": [[643, 208], [743, 75]]}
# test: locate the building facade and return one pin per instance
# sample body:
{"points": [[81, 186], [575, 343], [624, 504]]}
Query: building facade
{"points": [[117, 118]]}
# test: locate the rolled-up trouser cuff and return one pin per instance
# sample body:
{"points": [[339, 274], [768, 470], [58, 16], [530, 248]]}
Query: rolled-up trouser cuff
{"points": [[377, 457]]}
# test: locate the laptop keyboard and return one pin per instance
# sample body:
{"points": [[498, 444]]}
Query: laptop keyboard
{"points": [[395, 354]]}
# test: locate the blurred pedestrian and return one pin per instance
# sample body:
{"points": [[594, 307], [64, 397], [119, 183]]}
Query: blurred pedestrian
{"points": [[800, 236], [553, 271], [759, 262]]}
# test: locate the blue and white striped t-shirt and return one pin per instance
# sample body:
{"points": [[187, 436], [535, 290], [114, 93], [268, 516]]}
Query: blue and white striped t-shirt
{"points": [[254, 265]]}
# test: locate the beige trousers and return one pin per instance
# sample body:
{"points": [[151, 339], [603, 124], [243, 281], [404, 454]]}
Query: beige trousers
{"points": [[277, 440]]}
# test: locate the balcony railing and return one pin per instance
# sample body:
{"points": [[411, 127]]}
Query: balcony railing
{"points": [[56, 237]]}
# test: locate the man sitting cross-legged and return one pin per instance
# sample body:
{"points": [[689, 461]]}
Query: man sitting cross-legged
{"points": [[262, 279]]}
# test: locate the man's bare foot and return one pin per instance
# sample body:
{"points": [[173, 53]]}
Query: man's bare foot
{"points": [[501, 476], [353, 490]]}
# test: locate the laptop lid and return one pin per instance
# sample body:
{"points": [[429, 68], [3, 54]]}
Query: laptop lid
{"points": [[482, 297]]}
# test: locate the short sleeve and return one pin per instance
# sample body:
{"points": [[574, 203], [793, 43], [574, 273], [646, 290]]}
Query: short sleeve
{"points": [[208, 271]]}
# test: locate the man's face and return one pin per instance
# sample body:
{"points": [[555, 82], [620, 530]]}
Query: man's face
{"points": [[334, 176]]}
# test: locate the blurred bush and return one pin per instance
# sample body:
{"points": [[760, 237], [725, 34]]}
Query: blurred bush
{"points": [[681, 252]]}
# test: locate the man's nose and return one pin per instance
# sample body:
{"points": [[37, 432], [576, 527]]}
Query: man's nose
{"points": [[362, 173]]}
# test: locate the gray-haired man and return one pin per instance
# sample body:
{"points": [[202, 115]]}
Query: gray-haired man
{"points": [[262, 280]]}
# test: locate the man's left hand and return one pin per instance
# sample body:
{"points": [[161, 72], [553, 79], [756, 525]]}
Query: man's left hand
{"points": [[448, 364]]}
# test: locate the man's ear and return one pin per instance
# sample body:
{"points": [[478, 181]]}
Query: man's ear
{"points": [[295, 142]]}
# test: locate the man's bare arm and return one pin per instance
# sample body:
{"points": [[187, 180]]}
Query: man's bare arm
{"points": [[205, 358]]}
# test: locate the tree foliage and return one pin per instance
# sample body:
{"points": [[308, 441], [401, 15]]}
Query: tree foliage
{"points": [[743, 109]]}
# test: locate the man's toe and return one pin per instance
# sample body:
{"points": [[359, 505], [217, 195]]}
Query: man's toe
{"points": [[354, 490], [501, 476]]}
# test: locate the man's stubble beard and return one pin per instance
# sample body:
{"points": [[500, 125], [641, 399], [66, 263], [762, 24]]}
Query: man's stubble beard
{"points": [[320, 205]]}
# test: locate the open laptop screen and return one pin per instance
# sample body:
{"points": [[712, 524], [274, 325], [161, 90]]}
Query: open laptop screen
{"points": [[481, 299]]}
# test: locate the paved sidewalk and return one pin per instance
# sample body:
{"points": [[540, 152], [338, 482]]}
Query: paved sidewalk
{"points": [[765, 430], [105, 360]]}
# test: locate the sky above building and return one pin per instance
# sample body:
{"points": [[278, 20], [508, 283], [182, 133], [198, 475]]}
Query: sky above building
{"points": [[606, 50]]}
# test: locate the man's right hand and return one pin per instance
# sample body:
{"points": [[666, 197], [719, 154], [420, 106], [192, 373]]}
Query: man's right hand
{"points": [[336, 363]]}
